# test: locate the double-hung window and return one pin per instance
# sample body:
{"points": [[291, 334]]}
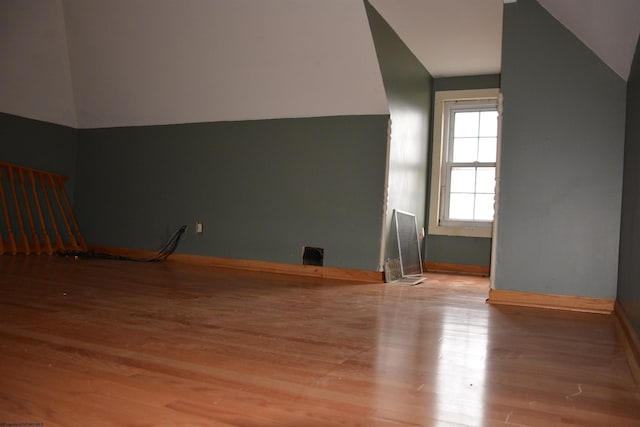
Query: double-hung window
{"points": [[464, 163]]}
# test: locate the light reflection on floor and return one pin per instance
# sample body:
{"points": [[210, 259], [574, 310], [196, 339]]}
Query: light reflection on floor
{"points": [[460, 378], [448, 386]]}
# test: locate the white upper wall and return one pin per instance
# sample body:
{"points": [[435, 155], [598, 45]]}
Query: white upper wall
{"points": [[150, 62], [35, 76]]}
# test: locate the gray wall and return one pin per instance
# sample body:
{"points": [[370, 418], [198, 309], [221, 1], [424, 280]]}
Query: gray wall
{"points": [[39, 145], [488, 81], [628, 272], [409, 92], [262, 188], [459, 249], [561, 165]]}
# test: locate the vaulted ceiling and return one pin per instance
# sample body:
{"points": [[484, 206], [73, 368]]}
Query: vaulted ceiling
{"points": [[464, 37], [109, 63]]}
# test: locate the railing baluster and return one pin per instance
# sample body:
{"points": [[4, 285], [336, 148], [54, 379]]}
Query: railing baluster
{"points": [[11, 239], [43, 227], [32, 215], [72, 238], [56, 233], [23, 235], [32, 228], [2, 196], [80, 241]]}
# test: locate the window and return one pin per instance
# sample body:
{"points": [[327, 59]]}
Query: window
{"points": [[464, 163]]}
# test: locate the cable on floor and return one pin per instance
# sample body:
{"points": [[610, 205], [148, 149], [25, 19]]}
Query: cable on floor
{"points": [[161, 255]]}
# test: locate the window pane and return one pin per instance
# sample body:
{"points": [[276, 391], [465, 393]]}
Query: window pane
{"points": [[484, 207], [486, 180], [465, 150], [461, 206], [463, 180], [466, 123], [487, 149], [489, 123]]}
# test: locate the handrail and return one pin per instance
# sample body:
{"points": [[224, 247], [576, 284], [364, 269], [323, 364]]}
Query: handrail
{"points": [[27, 227]]}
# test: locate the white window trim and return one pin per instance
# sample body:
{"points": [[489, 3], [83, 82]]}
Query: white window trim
{"points": [[439, 134]]}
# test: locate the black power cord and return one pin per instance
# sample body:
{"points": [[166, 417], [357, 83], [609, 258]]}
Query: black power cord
{"points": [[161, 255]]}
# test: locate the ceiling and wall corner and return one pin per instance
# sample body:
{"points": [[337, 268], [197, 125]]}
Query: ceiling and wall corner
{"points": [[84, 63], [35, 76], [409, 88], [628, 295], [464, 37], [561, 161], [609, 28]]}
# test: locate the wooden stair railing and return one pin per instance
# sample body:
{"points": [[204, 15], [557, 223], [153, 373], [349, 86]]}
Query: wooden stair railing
{"points": [[37, 214]]}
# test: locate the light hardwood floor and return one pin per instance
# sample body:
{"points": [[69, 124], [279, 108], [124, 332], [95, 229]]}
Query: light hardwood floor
{"points": [[92, 342]]}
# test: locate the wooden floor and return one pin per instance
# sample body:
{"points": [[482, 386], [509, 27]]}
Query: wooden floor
{"points": [[91, 343]]}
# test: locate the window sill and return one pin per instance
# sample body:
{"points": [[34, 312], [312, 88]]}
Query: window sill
{"points": [[461, 231]]}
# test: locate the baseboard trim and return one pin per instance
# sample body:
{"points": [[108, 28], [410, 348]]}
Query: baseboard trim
{"points": [[441, 267], [630, 339], [253, 265], [556, 302]]}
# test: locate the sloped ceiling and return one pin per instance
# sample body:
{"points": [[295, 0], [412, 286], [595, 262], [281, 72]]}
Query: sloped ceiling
{"points": [[609, 28], [464, 37], [450, 38], [102, 63], [150, 62]]}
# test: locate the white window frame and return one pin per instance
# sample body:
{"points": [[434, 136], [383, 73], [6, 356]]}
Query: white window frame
{"points": [[438, 171]]}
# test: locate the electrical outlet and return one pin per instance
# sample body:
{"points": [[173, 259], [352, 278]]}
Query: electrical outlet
{"points": [[199, 228]]}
